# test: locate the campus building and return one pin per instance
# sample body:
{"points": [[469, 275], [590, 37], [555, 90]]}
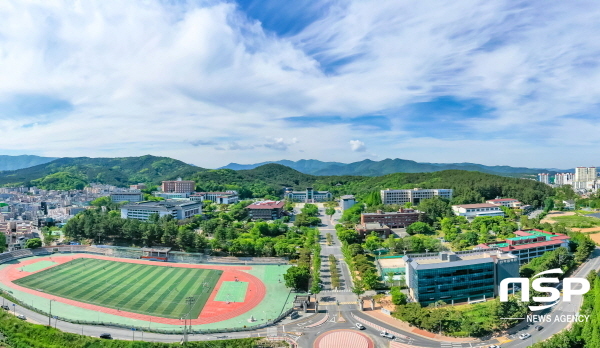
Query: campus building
{"points": [[395, 219], [178, 209], [413, 196], [365, 229], [132, 196], [266, 210], [347, 202], [172, 195], [529, 244], [179, 186], [475, 210], [506, 202], [458, 277], [227, 197], [309, 196]]}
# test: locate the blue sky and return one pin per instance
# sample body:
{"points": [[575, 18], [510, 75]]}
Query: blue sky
{"points": [[212, 82]]}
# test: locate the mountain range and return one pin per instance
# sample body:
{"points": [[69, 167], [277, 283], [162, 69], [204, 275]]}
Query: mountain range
{"points": [[388, 166], [22, 161]]}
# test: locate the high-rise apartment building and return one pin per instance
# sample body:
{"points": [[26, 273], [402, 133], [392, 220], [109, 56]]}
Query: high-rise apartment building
{"points": [[178, 186], [544, 177], [584, 177], [413, 196], [563, 179]]}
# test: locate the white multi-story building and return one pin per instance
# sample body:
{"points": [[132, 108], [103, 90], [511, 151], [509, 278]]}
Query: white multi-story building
{"points": [[178, 209], [227, 197], [132, 196], [561, 179], [309, 196], [475, 210], [585, 178], [544, 177], [413, 196]]}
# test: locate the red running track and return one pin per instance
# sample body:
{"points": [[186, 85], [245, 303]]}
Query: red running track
{"points": [[213, 311]]}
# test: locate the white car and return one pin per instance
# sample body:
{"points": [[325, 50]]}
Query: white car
{"points": [[360, 326], [494, 346], [524, 336], [387, 335]]}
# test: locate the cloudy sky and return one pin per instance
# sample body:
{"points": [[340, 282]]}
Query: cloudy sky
{"points": [[212, 82]]}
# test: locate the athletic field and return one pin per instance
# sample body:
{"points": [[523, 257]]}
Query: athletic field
{"points": [[146, 289]]}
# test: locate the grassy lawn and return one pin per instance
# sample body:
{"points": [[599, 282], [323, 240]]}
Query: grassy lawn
{"points": [[145, 289], [578, 221]]}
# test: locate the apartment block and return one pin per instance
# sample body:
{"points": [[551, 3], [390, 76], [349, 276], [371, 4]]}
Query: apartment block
{"points": [[413, 196], [544, 177]]}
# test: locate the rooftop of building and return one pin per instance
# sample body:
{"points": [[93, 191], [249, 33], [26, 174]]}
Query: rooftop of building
{"points": [[476, 206], [455, 259], [503, 200], [416, 189], [400, 211], [372, 226], [550, 239], [266, 205], [168, 203]]}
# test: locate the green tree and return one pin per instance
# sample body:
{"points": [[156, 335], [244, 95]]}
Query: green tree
{"points": [[297, 278], [419, 228], [33, 243], [2, 242], [329, 211]]}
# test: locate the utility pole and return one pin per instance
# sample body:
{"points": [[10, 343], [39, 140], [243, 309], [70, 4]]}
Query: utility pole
{"points": [[189, 300], [50, 314]]}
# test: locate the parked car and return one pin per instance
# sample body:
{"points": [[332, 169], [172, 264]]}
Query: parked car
{"points": [[21, 316], [106, 336], [387, 335], [524, 336], [6, 307], [360, 326], [538, 327], [494, 346]]}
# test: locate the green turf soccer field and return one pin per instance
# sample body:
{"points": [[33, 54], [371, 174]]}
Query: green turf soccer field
{"points": [[146, 289]]}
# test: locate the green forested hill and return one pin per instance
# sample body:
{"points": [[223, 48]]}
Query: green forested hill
{"points": [[69, 173], [269, 179]]}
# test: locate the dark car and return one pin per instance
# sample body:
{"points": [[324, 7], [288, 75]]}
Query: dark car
{"points": [[538, 327], [5, 307], [106, 336]]}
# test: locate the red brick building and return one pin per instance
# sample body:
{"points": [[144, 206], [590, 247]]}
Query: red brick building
{"points": [[179, 186], [401, 218], [266, 210]]}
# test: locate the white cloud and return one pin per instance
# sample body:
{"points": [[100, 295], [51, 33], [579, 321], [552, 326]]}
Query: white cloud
{"points": [[201, 82], [357, 146]]}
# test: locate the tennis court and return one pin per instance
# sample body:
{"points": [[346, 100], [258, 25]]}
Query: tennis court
{"points": [[140, 288]]}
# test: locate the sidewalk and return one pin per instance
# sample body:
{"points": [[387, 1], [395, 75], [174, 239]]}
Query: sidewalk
{"points": [[378, 315]]}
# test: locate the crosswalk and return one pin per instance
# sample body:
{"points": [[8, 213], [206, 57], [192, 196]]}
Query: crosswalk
{"points": [[335, 304], [451, 345]]}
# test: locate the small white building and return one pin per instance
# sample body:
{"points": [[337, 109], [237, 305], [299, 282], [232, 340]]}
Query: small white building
{"points": [[309, 196], [479, 209], [347, 201], [506, 202]]}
